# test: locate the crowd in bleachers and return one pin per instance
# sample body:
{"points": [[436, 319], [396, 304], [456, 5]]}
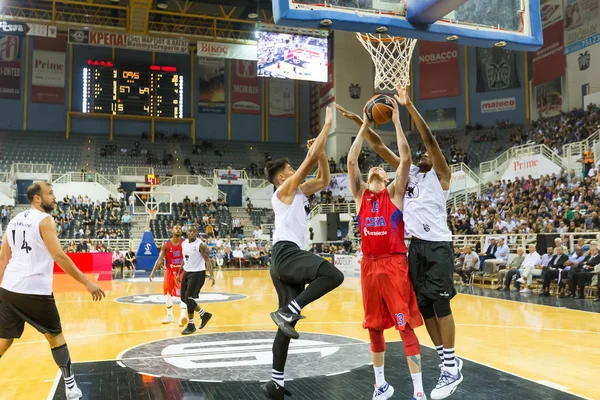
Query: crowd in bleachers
{"points": [[78, 217]]}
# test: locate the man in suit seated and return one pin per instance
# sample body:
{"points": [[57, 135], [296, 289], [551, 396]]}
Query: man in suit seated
{"points": [[575, 260], [554, 269], [489, 253], [585, 272]]}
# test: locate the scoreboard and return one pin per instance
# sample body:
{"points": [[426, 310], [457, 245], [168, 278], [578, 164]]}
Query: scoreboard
{"points": [[155, 91]]}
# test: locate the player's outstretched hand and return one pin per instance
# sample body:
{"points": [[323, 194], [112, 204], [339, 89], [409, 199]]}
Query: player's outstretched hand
{"points": [[151, 277], [97, 293], [310, 142], [328, 116], [402, 96], [395, 113], [366, 121], [348, 114]]}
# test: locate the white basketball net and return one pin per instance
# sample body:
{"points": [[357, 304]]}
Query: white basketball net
{"points": [[391, 56]]}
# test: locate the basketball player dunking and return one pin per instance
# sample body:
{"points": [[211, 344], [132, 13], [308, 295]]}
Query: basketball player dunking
{"points": [[171, 254], [388, 296], [431, 255], [195, 261], [29, 249], [292, 267]]}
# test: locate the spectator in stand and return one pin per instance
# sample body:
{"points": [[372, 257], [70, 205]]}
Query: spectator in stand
{"points": [[571, 266], [130, 259], [583, 274], [257, 234], [532, 266], [514, 264], [470, 263], [555, 266]]}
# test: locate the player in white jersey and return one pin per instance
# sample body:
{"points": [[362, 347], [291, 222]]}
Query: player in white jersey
{"points": [[431, 255], [29, 249], [195, 261], [292, 267]]}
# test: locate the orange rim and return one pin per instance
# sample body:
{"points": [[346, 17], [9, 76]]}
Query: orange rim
{"points": [[380, 39]]}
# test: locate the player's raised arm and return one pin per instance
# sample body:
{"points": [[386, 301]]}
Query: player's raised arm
{"points": [[373, 138], [287, 189], [398, 187], [159, 262], [323, 177], [431, 145], [50, 238], [357, 185]]}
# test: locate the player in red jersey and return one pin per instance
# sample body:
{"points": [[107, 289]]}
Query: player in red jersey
{"points": [[388, 295], [172, 253]]}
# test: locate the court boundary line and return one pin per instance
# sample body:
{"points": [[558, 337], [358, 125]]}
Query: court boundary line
{"points": [[532, 304], [54, 387]]}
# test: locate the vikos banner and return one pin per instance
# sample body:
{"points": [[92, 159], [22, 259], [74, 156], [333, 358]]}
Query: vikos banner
{"points": [[227, 50]]}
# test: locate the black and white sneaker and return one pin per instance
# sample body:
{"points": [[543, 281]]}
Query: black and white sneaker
{"points": [[459, 363], [273, 391], [284, 321], [204, 319], [446, 385], [189, 329]]}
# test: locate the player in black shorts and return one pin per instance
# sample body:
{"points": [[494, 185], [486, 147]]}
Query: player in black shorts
{"points": [[431, 254], [292, 268]]}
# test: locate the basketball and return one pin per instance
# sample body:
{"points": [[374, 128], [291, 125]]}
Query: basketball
{"points": [[380, 108]]}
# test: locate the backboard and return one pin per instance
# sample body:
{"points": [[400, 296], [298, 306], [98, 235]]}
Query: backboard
{"points": [[514, 24], [153, 201]]}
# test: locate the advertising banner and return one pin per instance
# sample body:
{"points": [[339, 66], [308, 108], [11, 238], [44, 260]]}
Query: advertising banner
{"points": [[442, 118], [227, 50], [550, 62], [282, 96], [498, 105], [438, 70], [10, 67], [582, 20], [246, 94], [211, 98], [48, 71], [131, 42], [548, 98]]}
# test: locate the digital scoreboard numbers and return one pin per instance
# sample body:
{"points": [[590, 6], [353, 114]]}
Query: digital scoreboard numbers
{"points": [[156, 91], [134, 92]]}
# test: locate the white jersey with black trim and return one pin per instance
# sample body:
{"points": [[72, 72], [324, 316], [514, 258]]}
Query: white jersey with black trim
{"points": [[425, 213], [193, 260], [31, 267], [291, 220]]}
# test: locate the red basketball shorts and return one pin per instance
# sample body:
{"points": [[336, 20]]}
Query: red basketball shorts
{"points": [[170, 285], [388, 295]]}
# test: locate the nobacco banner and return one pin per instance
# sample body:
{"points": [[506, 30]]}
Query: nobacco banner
{"points": [[10, 67], [227, 50], [48, 71], [132, 42], [498, 105], [438, 70], [246, 95], [550, 62]]}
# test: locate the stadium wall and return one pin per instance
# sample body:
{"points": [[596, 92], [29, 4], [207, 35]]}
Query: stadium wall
{"points": [[53, 118], [582, 79]]}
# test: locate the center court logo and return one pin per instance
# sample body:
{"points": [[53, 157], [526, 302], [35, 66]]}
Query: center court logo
{"points": [[245, 356], [209, 297]]}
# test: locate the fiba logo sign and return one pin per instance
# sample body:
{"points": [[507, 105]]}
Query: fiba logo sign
{"points": [[147, 249]]}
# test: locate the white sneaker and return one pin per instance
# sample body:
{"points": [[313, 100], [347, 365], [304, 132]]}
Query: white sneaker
{"points": [[385, 391], [458, 361], [168, 319], [73, 394], [526, 290], [521, 280], [183, 320], [447, 384]]}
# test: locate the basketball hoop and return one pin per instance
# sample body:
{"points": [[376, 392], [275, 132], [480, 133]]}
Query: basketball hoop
{"points": [[152, 214], [391, 56]]}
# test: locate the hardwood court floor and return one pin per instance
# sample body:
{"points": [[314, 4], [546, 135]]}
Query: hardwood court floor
{"points": [[548, 345]]}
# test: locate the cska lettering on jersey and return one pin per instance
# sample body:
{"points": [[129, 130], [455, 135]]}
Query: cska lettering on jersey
{"points": [[371, 222]]}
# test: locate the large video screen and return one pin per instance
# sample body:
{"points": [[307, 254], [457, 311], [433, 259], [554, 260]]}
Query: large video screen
{"points": [[281, 55]]}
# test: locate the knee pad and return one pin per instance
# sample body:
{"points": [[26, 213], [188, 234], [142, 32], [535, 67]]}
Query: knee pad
{"points": [[427, 310], [410, 341], [377, 341], [442, 308], [328, 269]]}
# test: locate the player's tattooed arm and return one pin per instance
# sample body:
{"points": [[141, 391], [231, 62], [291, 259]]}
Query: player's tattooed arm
{"points": [[159, 261], [373, 138], [206, 255], [431, 145], [357, 186]]}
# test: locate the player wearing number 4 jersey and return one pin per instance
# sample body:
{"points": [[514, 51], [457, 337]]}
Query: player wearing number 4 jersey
{"points": [[388, 296], [431, 255], [29, 249]]}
